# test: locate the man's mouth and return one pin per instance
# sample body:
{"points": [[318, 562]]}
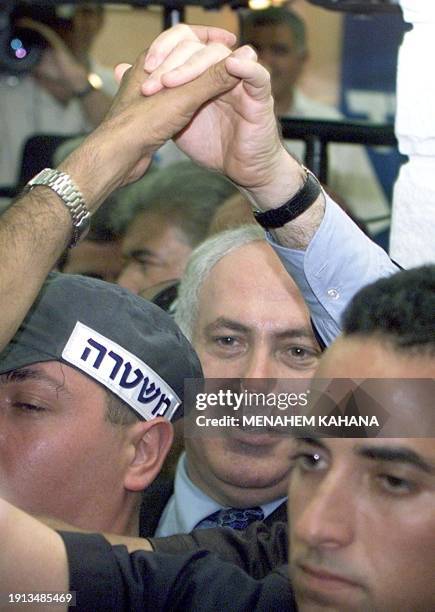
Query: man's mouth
{"points": [[255, 436], [317, 579]]}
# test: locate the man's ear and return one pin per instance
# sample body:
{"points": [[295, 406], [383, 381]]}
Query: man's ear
{"points": [[304, 56], [150, 442]]}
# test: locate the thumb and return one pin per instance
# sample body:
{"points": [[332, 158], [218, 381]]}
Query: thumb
{"points": [[120, 70], [212, 83]]}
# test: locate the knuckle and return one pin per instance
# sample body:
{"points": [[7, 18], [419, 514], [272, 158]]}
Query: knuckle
{"points": [[220, 49], [218, 75]]}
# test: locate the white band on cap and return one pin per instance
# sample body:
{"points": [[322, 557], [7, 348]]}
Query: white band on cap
{"points": [[120, 371]]}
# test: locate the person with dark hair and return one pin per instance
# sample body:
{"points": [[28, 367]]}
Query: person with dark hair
{"points": [[99, 255], [341, 492], [279, 36], [166, 215], [399, 309], [280, 39], [87, 395], [343, 554], [389, 322]]}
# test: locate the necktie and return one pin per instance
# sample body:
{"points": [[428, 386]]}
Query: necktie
{"points": [[236, 518]]}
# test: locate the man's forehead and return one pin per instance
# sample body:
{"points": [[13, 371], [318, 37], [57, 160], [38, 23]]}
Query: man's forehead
{"points": [[34, 370], [373, 357], [252, 270], [267, 31], [369, 448]]}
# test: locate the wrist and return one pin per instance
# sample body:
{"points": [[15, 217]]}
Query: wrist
{"points": [[285, 178], [99, 165]]}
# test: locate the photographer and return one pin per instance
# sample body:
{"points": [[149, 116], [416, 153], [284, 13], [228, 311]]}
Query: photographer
{"points": [[65, 93]]}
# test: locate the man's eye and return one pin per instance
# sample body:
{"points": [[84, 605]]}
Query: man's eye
{"points": [[142, 261], [225, 341], [28, 407], [395, 485], [302, 356], [298, 351], [281, 50], [308, 462]]}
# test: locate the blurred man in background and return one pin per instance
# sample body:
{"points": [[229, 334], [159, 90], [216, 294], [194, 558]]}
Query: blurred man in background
{"points": [[279, 37], [167, 214]]}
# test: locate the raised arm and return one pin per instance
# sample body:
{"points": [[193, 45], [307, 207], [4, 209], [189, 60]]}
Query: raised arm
{"points": [[327, 255], [37, 228], [32, 557]]}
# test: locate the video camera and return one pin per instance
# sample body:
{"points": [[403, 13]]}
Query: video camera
{"points": [[20, 47]]}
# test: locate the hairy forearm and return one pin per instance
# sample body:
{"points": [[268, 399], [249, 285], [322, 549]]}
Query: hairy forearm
{"points": [[286, 177], [32, 556], [96, 105], [33, 234]]}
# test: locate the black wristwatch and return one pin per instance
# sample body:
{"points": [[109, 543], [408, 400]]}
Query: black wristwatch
{"points": [[299, 203]]}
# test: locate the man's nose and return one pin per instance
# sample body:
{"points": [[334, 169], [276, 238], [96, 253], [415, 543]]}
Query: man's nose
{"points": [[327, 519], [265, 57], [258, 364], [131, 278]]}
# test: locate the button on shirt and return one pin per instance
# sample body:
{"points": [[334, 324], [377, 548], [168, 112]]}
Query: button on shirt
{"points": [[189, 505]]}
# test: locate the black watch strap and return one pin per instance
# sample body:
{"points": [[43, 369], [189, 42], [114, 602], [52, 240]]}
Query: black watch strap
{"points": [[303, 199]]}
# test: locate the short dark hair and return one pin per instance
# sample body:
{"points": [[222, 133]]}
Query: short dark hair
{"points": [[399, 309], [183, 192], [275, 16], [118, 412]]}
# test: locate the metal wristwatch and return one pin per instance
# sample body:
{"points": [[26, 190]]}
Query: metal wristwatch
{"points": [[70, 195]]}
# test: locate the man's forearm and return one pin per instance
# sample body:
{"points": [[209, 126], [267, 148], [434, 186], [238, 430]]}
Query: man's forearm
{"points": [[33, 234], [96, 105], [32, 556], [286, 178], [257, 550], [132, 544]]}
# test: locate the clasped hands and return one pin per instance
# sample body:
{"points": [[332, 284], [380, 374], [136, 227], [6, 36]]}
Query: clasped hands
{"points": [[215, 103]]}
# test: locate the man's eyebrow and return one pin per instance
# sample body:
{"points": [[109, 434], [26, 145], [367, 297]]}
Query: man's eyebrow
{"points": [[227, 323], [25, 374], [140, 253], [312, 441], [298, 332], [395, 454]]}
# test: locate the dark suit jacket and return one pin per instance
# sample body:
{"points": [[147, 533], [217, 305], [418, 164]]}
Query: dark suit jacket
{"points": [[157, 496]]}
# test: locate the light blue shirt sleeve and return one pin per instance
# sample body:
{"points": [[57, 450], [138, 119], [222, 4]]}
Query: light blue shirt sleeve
{"points": [[338, 262]]}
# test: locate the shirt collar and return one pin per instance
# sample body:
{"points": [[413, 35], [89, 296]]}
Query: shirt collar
{"points": [[189, 505]]}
